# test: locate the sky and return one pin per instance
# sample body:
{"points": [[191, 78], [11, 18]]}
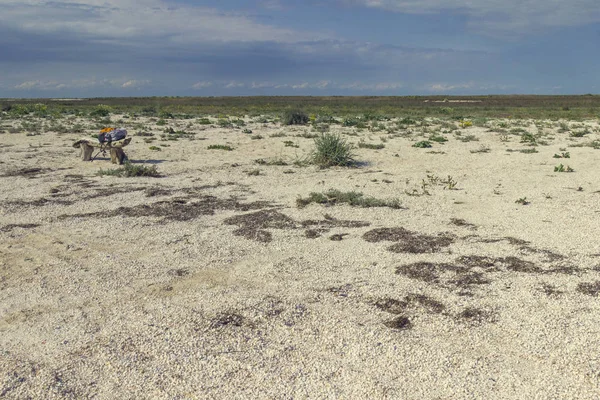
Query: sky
{"points": [[98, 48]]}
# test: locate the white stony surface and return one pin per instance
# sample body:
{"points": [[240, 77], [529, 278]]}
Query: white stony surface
{"points": [[117, 306]]}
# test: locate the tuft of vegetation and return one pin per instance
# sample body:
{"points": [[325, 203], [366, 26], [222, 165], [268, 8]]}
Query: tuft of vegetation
{"points": [[295, 117], [154, 148], [438, 139], [562, 168], [562, 155], [219, 147], [364, 145], [332, 150], [424, 144], [357, 199], [131, 170], [523, 201]]}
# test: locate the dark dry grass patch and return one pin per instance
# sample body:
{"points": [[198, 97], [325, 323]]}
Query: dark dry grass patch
{"points": [[26, 172], [10, 227], [408, 241], [589, 288], [227, 319], [551, 290], [474, 315], [330, 222], [252, 226], [175, 210], [399, 323], [462, 222]]}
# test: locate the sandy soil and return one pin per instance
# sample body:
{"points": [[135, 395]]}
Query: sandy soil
{"points": [[210, 282]]}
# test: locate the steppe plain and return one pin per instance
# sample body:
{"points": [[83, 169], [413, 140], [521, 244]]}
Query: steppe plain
{"points": [[214, 280]]}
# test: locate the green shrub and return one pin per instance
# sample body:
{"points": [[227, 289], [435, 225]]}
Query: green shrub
{"points": [[295, 117], [101, 110], [129, 170], [154, 148], [356, 199], [424, 144], [331, 150]]}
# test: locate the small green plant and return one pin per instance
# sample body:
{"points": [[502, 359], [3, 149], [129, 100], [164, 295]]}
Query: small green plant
{"points": [[562, 168], [295, 117], [204, 121], [523, 201], [528, 138], [219, 147], [154, 148], [332, 150], [424, 144], [289, 143], [562, 155], [364, 145]]}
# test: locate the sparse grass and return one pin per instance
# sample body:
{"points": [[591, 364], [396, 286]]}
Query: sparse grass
{"points": [[220, 147], [562, 155], [154, 148], [129, 170], [468, 138], [356, 199], [273, 161], [438, 139], [332, 151], [523, 201], [481, 149], [364, 145]]}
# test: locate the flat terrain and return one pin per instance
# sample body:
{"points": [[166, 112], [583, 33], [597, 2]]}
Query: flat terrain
{"points": [[474, 272]]}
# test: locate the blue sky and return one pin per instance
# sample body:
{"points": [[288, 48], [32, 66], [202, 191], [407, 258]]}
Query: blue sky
{"points": [[94, 48]]}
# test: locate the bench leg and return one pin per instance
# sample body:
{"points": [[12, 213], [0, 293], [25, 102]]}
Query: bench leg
{"points": [[86, 152], [117, 155]]}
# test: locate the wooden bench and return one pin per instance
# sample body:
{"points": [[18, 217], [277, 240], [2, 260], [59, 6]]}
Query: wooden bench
{"points": [[87, 146]]}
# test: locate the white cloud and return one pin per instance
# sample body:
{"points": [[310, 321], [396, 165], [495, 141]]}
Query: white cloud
{"points": [[141, 21], [135, 84], [303, 85], [234, 84], [501, 16], [372, 86], [202, 85], [81, 84], [466, 86]]}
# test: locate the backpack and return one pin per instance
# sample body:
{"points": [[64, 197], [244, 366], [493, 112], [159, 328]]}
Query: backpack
{"points": [[108, 135]]}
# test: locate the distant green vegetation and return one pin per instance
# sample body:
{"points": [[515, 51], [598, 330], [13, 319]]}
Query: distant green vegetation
{"points": [[354, 111]]}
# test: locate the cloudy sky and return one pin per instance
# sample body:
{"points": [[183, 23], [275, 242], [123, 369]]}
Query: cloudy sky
{"points": [[94, 48]]}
